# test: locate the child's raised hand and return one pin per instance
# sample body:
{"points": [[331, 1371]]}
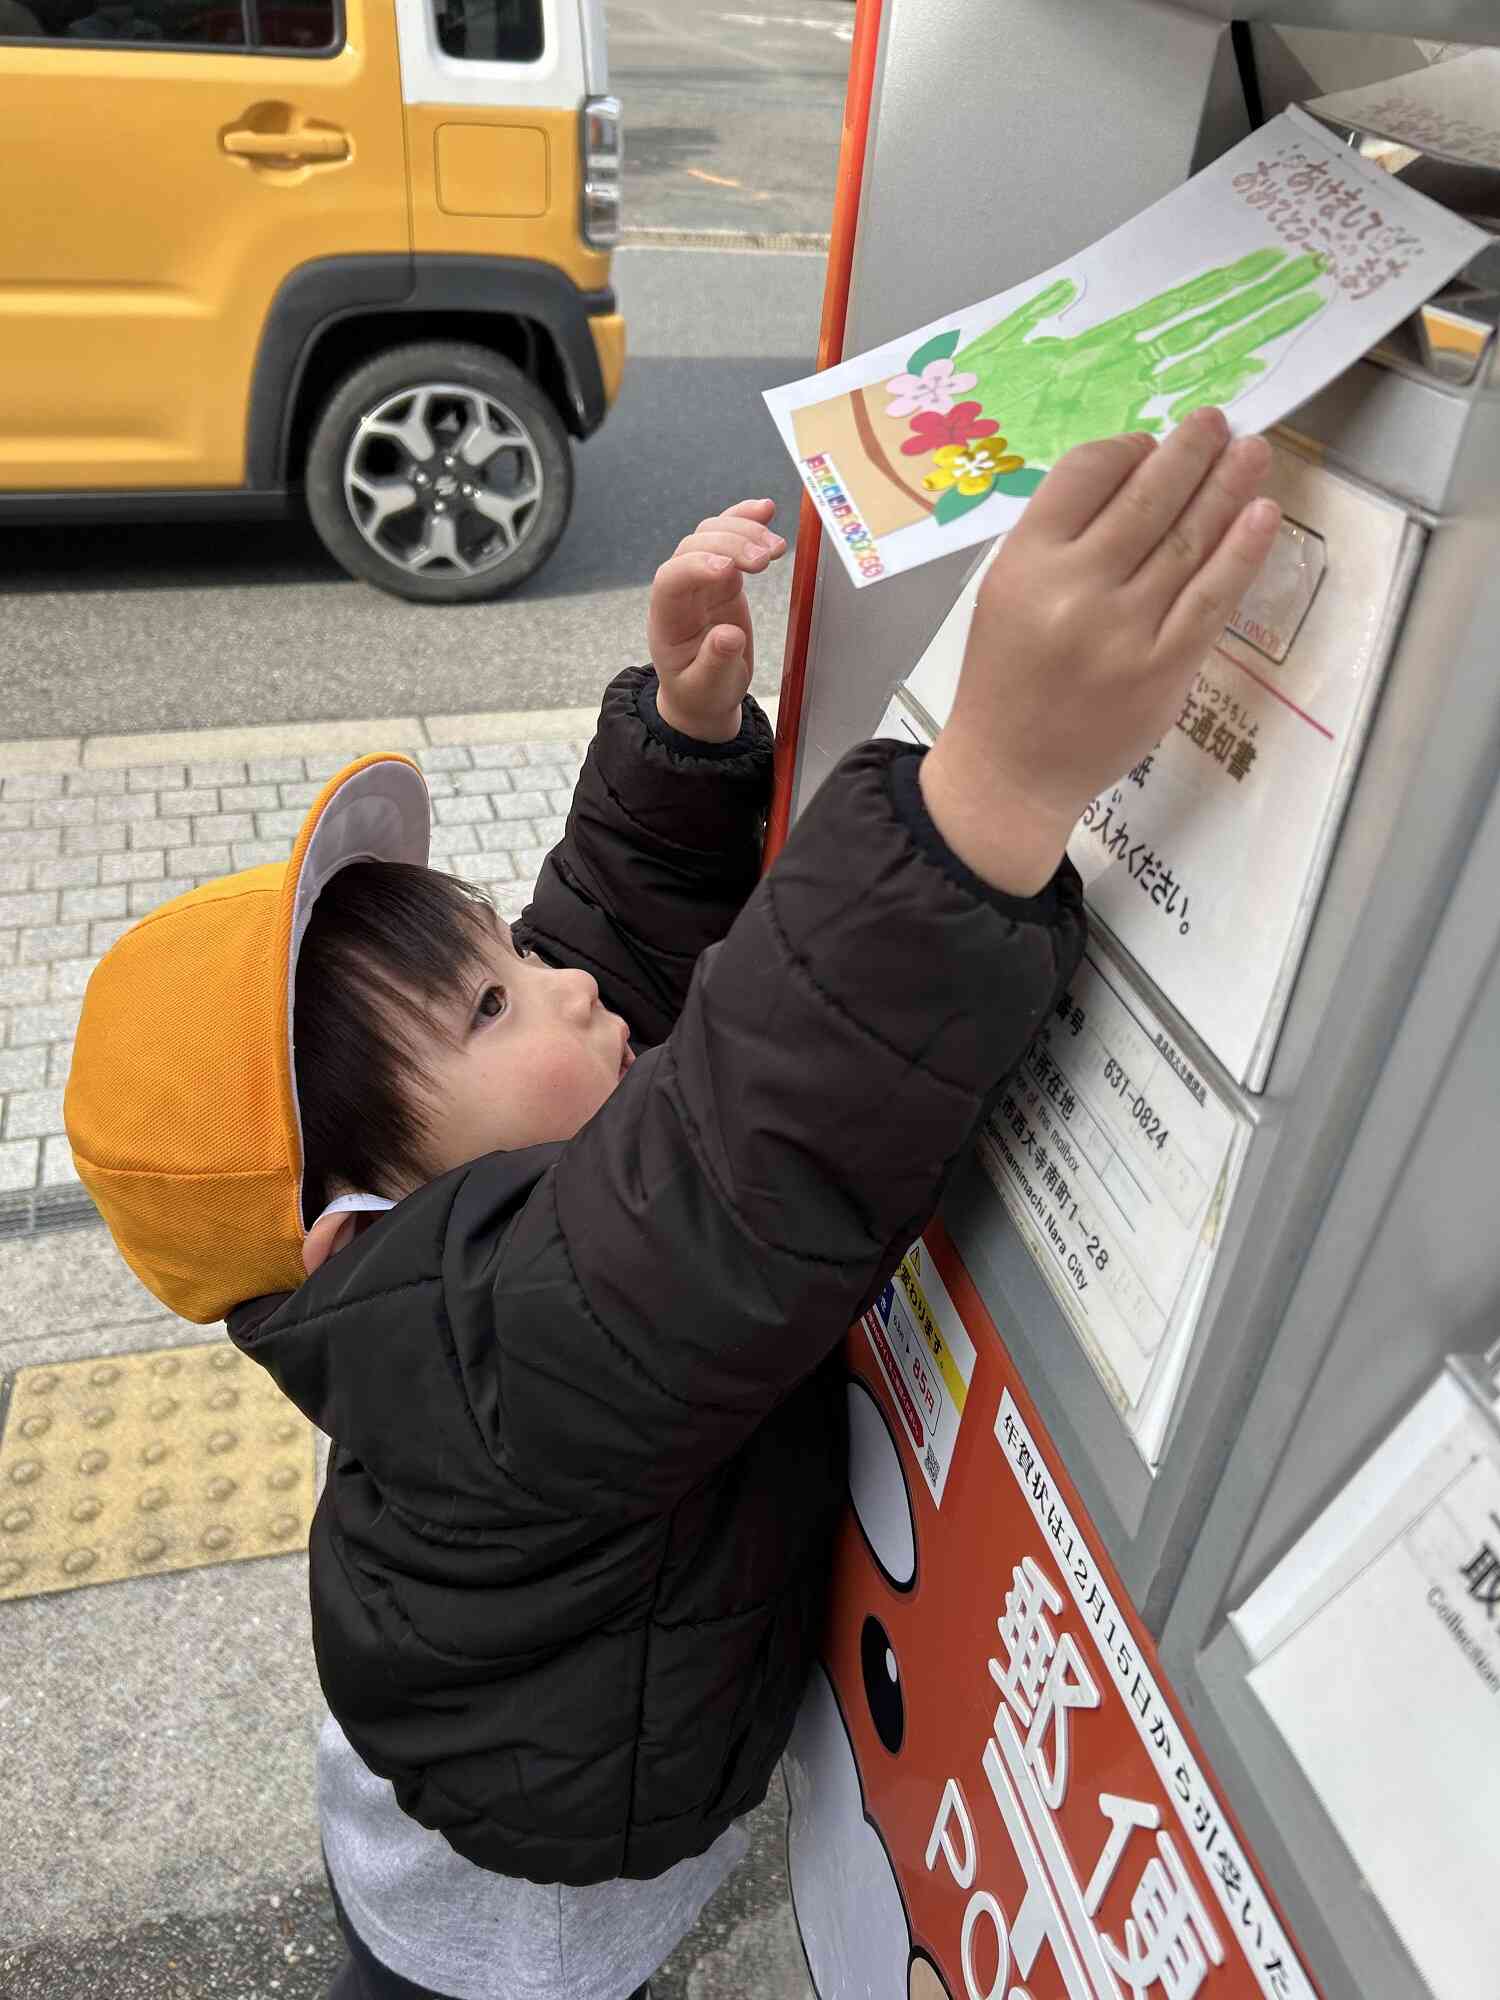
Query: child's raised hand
{"points": [[1089, 626], [699, 627]]}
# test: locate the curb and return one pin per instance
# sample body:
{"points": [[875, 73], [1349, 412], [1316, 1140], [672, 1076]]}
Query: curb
{"points": [[354, 738], [297, 739], [797, 242]]}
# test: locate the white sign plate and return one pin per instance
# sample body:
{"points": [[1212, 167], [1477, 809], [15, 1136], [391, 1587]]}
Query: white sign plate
{"points": [[1116, 1161], [1389, 1690], [1207, 859]]}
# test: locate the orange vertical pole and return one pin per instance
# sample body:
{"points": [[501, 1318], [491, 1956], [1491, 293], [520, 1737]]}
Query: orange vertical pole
{"points": [[851, 175]]}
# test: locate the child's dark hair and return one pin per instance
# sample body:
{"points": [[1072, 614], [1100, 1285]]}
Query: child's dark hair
{"points": [[386, 942]]}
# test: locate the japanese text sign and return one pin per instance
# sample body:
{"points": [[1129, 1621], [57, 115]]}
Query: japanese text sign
{"points": [[992, 1795]]}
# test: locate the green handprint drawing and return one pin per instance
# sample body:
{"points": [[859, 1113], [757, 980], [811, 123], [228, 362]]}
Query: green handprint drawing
{"points": [[1052, 391]]}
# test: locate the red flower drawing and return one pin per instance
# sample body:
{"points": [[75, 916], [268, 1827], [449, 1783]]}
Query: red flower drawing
{"points": [[960, 425]]}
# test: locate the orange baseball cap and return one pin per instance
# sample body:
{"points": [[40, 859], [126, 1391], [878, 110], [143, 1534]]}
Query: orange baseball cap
{"points": [[181, 1104]]}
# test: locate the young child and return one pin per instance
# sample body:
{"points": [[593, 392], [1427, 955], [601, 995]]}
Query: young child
{"points": [[651, 1151]]}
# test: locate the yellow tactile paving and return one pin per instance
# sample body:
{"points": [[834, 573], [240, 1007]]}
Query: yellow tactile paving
{"points": [[134, 1464]]}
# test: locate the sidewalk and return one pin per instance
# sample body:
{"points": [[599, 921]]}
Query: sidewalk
{"points": [[159, 1836]]}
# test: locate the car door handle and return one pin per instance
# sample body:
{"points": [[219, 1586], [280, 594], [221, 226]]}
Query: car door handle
{"points": [[314, 142]]}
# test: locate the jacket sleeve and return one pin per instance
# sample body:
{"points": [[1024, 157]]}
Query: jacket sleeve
{"points": [[711, 1234], [662, 847]]}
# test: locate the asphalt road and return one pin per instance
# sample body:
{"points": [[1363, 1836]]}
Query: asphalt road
{"points": [[733, 122], [732, 112]]}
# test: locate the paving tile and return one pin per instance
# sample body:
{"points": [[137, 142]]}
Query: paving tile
{"points": [[36, 843], [273, 826], [57, 1162], [133, 806], [469, 784], [37, 908], [31, 1114], [148, 896], [502, 756], [67, 977], [248, 798], [447, 840], [16, 876], [31, 785], [302, 793], [172, 1418], [50, 941], [59, 1059], [80, 812], [217, 771], [50, 1023], [9, 945], [23, 1069], [522, 805], [462, 812], [20, 983], [92, 839], [201, 862], [450, 757], [494, 867], [199, 799], [68, 871], [277, 771], [157, 833], [105, 902], [219, 827], [143, 864], [103, 935], [545, 778], [18, 1164], [78, 784], [155, 777], [255, 853]]}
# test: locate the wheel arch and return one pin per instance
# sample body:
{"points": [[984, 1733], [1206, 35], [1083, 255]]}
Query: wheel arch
{"points": [[332, 315]]}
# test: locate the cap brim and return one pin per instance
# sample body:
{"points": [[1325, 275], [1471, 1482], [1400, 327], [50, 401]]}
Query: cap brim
{"points": [[377, 809]]}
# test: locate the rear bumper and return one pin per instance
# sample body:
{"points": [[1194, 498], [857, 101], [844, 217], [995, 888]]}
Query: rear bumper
{"points": [[608, 330]]}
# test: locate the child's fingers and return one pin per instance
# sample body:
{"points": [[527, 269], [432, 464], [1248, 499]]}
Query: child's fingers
{"points": [[1083, 482], [1203, 523], [742, 550], [751, 510], [736, 523], [1145, 510], [724, 643], [691, 571], [720, 667], [1208, 597]]}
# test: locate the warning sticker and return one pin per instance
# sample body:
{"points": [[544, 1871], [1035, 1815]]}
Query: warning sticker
{"points": [[927, 1359]]}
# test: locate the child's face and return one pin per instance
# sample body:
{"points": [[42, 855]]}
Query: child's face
{"points": [[533, 1056]]}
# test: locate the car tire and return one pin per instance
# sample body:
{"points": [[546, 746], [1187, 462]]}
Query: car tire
{"points": [[439, 472]]}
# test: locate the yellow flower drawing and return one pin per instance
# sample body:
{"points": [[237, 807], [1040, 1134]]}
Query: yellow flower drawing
{"points": [[972, 468]]}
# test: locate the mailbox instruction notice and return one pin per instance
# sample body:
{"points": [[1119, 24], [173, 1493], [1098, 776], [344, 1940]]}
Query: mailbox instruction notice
{"points": [[1116, 1160]]}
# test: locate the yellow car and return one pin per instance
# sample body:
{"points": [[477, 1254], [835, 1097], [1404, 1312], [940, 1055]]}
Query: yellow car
{"points": [[352, 250]]}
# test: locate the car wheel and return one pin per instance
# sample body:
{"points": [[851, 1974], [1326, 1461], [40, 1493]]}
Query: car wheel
{"points": [[440, 472]]}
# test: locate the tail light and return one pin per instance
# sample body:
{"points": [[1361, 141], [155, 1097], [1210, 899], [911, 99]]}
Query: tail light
{"points": [[602, 153]]}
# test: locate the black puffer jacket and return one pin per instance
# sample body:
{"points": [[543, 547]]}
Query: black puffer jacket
{"points": [[568, 1572]]}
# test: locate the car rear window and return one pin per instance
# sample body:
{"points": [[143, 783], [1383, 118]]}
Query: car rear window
{"points": [[490, 30]]}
